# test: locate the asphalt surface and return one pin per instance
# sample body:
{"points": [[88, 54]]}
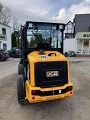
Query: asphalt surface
{"points": [[76, 107], [8, 67]]}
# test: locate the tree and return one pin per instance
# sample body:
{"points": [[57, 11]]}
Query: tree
{"points": [[16, 24], [36, 41], [16, 29], [5, 14], [1, 7], [14, 42]]}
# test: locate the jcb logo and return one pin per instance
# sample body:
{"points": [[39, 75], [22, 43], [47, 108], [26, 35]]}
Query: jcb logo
{"points": [[52, 73]]}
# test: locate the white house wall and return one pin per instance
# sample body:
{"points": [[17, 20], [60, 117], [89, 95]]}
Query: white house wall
{"points": [[69, 45], [79, 46], [8, 36]]}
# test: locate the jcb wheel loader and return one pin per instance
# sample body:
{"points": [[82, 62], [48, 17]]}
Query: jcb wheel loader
{"points": [[43, 70]]}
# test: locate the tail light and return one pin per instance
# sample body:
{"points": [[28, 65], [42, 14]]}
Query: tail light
{"points": [[70, 88], [34, 92]]}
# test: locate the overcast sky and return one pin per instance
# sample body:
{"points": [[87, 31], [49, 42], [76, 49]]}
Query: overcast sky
{"points": [[47, 10]]}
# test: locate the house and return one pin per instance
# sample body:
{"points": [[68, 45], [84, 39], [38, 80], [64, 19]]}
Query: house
{"points": [[77, 35], [82, 32], [69, 37], [5, 37]]}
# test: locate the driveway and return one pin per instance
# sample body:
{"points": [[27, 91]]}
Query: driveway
{"points": [[76, 107]]}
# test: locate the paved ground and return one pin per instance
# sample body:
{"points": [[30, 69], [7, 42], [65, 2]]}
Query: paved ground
{"points": [[8, 67], [76, 107]]}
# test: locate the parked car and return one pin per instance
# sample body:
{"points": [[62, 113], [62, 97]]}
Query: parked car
{"points": [[3, 54], [15, 52]]}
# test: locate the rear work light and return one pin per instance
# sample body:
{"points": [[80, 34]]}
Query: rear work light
{"points": [[34, 92], [70, 88]]}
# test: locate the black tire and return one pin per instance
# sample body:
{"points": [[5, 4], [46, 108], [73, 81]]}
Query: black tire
{"points": [[21, 90], [13, 56], [20, 69], [4, 59]]}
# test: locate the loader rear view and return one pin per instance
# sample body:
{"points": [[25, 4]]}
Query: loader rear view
{"points": [[43, 70]]}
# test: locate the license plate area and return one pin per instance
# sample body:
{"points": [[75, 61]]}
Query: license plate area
{"points": [[52, 73]]}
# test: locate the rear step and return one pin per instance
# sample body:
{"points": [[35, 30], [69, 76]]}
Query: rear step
{"points": [[23, 102]]}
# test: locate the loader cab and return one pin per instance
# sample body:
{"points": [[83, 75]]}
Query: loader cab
{"points": [[41, 35]]}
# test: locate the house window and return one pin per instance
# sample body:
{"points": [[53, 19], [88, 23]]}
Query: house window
{"points": [[69, 30], [3, 31], [69, 35], [4, 46], [86, 43]]}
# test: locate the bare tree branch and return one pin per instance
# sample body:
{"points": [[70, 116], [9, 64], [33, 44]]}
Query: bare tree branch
{"points": [[5, 16], [1, 7], [16, 24]]}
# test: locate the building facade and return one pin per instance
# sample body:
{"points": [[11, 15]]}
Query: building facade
{"points": [[82, 32], [77, 36], [69, 38], [5, 37]]}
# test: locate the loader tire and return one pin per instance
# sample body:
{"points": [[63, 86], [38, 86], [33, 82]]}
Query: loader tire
{"points": [[20, 69], [21, 89]]}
